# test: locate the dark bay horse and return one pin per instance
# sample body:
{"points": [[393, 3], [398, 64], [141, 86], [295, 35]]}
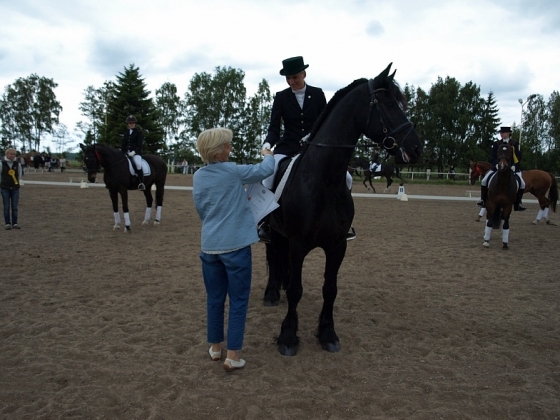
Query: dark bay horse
{"points": [[118, 180], [387, 170], [316, 207], [537, 182], [502, 193]]}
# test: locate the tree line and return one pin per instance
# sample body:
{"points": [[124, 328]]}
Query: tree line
{"points": [[456, 122]]}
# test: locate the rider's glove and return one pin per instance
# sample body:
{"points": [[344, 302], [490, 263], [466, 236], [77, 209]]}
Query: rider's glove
{"points": [[266, 146], [131, 154]]}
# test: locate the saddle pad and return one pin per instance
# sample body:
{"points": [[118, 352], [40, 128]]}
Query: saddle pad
{"points": [[145, 168], [517, 181]]}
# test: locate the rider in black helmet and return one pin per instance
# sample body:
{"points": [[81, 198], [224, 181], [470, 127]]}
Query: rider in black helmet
{"points": [[132, 147]]}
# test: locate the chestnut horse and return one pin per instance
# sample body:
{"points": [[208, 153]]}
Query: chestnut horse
{"points": [[537, 182]]}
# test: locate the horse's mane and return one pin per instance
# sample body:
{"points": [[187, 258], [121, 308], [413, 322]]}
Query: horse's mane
{"points": [[390, 84]]}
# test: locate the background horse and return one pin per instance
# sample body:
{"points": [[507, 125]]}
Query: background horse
{"points": [[502, 193], [537, 182], [316, 207], [384, 169], [118, 180]]}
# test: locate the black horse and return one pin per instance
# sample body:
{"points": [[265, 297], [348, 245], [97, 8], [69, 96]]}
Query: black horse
{"points": [[387, 170], [316, 207], [502, 193], [119, 179]]}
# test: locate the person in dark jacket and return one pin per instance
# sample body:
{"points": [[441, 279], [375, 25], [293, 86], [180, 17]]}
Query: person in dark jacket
{"points": [[132, 142], [294, 110], [10, 175], [505, 134]]}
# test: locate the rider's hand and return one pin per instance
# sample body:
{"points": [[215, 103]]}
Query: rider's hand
{"points": [[266, 146], [131, 154]]}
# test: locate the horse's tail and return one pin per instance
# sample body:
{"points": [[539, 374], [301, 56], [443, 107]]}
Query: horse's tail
{"points": [[553, 192]]}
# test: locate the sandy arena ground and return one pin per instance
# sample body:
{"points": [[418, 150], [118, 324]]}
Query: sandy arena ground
{"points": [[98, 324]]}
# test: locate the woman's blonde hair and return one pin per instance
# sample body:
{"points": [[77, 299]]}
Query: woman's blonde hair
{"points": [[210, 143]]}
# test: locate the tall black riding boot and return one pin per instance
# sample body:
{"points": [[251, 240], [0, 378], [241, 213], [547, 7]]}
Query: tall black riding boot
{"points": [[264, 231], [517, 206], [483, 196], [141, 185]]}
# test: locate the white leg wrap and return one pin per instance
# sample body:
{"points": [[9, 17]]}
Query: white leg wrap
{"points": [[127, 219], [540, 215], [487, 233], [505, 236], [482, 212], [117, 218], [148, 214], [545, 213], [158, 213]]}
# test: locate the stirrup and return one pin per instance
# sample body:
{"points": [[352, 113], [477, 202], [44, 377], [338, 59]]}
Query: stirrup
{"points": [[141, 187], [480, 203], [519, 207]]}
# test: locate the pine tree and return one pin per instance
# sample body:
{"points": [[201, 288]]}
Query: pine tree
{"points": [[127, 97]]}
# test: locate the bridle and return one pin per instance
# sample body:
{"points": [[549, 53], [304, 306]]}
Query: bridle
{"points": [[389, 141], [98, 163], [502, 154]]}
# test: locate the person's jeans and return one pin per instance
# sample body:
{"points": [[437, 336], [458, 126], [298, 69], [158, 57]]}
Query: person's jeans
{"points": [[224, 275], [10, 198]]}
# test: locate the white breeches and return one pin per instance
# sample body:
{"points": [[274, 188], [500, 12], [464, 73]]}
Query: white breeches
{"points": [[484, 181]]}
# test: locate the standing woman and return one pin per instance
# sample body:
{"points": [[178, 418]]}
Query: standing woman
{"points": [[228, 230], [10, 175]]}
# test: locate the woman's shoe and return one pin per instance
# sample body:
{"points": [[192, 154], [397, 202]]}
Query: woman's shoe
{"points": [[230, 365], [215, 355]]}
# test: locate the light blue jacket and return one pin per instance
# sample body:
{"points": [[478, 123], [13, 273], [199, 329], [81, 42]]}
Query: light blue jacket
{"points": [[222, 204]]}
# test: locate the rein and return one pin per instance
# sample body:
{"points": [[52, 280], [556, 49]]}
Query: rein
{"points": [[389, 141], [98, 161]]}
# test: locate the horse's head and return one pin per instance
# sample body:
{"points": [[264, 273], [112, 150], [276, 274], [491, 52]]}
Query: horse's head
{"points": [[505, 156], [91, 161], [387, 120]]}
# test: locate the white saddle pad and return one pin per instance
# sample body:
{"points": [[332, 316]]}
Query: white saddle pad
{"points": [[145, 168]]}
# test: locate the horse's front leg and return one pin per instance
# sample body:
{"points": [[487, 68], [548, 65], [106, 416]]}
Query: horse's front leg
{"points": [[288, 340], [114, 194], [124, 199], [325, 331], [389, 182], [149, 202], [505, 230]]}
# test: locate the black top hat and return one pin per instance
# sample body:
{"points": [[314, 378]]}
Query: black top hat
{"points": [[293, 66], [505, 130]]}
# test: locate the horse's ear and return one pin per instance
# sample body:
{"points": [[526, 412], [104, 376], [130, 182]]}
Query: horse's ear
{"points": [[392, 76], [385, 72], [82, 147]]}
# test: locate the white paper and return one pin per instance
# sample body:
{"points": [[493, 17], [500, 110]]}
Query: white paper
{"points": [[261, 200]]}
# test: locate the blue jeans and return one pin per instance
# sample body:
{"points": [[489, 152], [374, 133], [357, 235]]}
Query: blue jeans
{"points": [[10, 198], [224, 275]]}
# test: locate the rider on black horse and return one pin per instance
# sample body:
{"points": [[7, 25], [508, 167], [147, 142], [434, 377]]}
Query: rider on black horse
{"points": [[505, 134], [132, 147], [374, 164]]}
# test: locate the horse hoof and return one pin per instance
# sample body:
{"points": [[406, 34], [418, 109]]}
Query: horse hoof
{"points": [[156, 222], [270, 303], [486, 244], [287, 351], [127, 229], [116, 227], [331, 347], [145, 223], [535, 221], [505, 246]]}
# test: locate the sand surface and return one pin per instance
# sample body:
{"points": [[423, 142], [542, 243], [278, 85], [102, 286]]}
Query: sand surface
{"points": [[98, 324]]}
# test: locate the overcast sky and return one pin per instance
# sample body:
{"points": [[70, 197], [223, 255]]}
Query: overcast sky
{"points": [[508, 47]]}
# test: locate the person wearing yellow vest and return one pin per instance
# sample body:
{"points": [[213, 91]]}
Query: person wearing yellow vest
{"points": [[505, 134], [10, 175]]}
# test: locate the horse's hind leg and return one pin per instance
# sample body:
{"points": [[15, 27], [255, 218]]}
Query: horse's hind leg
{"points": [[160, 190], [277, 259]]}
